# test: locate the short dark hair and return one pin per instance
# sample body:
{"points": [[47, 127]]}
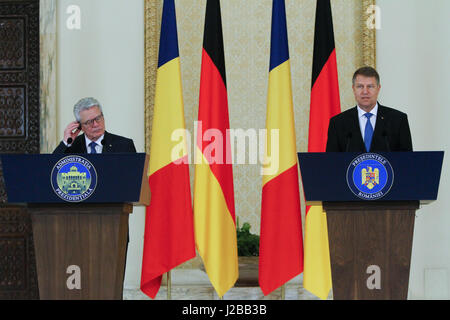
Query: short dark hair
{"points": [[368, 72]]}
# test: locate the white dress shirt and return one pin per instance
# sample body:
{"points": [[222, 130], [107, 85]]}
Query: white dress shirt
{"points": [[98, 147], [363, 119]]}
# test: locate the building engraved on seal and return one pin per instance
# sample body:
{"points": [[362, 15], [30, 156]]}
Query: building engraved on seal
{"points": [[74, 179]]}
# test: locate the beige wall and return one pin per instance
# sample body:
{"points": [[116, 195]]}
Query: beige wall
{"points": [[413, 60]]}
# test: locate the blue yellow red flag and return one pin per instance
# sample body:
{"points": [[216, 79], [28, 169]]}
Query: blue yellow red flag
{"points": [[281, 241], [169, 229]]}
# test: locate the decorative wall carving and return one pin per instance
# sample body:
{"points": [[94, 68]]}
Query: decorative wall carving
{"points": [[12, 112], [12, 49], [152, 28], [19, 133], [369, 42], [18, 277], [19, 77]]}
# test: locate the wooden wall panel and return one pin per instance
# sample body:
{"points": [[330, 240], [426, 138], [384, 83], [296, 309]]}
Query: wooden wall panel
{"points": [[19, 133]]}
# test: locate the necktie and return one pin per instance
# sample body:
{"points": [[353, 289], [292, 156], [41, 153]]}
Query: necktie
{"points": [[93, 145], [368, 132]]}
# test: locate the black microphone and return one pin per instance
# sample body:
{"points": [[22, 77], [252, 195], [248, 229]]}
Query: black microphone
{"points": [[103, 142], [349, 137], [386, 140]]}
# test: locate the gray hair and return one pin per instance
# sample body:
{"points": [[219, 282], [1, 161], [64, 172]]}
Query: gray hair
{"points": [[84, 104]]}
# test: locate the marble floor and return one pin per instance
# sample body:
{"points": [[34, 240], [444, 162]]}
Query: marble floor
{"points": [[190, 284]]}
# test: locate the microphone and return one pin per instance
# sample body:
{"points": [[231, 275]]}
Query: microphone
{"points": [[103, 142], [349, 137], [386, 140], [69, 140]]}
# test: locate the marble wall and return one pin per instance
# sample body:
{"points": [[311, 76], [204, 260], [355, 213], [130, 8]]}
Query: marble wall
{"points": [[48, 114]]}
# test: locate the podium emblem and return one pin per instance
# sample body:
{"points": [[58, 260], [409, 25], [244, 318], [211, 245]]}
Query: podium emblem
{"points": [[74, 179], [370, 176]]}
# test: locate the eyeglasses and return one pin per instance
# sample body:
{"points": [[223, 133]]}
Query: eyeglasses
{"points": [[90, 122]]}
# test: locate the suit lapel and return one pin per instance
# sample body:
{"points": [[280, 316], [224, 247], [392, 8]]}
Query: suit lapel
{"points": [[107, 145], [378, 138], [79, 145]]}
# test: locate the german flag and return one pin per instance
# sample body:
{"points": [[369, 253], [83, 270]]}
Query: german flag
{"points": [[169, 229], [214, 214], [325, 103], [281, 242]]}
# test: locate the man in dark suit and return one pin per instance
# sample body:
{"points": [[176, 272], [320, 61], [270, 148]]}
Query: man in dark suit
{"points": [[368, 127], [89, 118], [89, 115]]}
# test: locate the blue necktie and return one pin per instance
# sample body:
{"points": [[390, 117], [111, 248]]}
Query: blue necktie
{"points": [[92, 145], [368, 132]]}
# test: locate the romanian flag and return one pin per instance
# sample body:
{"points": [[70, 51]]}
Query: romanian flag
{"points": [[214, 215], [325, 103], [169, 230], [281, 243]]}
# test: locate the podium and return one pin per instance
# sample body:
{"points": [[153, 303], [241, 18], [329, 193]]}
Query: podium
{"points": [[370, 202], [79, 206]]}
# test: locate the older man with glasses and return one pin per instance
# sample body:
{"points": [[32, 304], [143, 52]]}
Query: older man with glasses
{"points": [[89, 119]]}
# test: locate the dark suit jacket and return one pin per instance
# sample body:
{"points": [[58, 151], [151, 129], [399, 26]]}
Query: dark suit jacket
{"points": [[113, 143], [391, 132]]}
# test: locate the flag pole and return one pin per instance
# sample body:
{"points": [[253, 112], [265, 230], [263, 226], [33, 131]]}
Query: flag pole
{"points": [[169, 285], [283, 292]]}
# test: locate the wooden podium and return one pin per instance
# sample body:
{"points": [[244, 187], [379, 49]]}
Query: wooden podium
{"points": [[370, 241], [80, 246], [377, 234]]}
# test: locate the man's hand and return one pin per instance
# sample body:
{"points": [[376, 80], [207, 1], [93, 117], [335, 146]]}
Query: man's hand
{"points": [[71, 131]]}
